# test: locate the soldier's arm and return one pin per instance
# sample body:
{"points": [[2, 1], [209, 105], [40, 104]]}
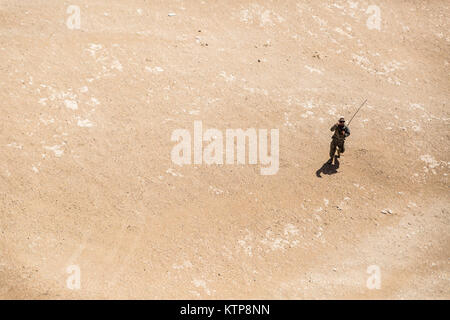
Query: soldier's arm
{"points": [[347, 131], [333, 128]]}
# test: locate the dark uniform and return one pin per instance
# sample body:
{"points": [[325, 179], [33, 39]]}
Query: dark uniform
{"points": [[338, 139]]}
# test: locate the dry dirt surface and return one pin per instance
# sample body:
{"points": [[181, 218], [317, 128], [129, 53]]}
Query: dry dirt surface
{"points": [[92, 205]]}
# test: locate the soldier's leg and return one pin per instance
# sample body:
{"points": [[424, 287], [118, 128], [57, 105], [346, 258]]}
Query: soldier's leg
{"points": [[341, 148], [332, 149]]}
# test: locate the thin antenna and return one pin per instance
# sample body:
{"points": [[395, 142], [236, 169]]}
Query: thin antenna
{"points": [[357, 111]]}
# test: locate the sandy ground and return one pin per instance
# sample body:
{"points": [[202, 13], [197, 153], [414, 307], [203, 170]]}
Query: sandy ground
{"points": [[87, 180]]}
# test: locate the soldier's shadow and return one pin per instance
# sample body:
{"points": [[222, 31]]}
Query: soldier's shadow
{"points": [[328, 168]]}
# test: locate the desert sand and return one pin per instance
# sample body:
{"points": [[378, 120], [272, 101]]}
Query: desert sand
{"points": [[86, 177]]}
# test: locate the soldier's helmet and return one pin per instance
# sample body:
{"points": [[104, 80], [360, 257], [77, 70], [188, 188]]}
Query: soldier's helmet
{"points": [[341, 119]]}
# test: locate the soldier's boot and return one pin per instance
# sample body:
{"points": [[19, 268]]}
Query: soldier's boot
{"points": [[330, 161]]}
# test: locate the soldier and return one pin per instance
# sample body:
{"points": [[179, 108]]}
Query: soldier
{"points": [[341, 131]]}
